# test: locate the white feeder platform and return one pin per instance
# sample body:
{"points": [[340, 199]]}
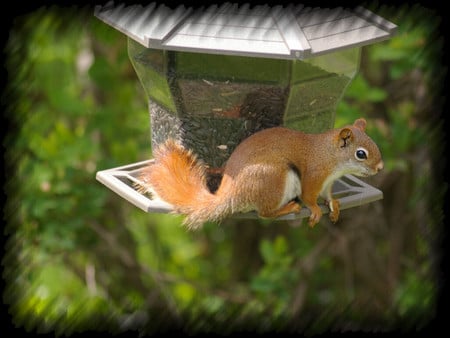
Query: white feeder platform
{"points": [[350, 192]]}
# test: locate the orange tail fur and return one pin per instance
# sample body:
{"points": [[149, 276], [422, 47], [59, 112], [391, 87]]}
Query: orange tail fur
{"points": [[179, 178]]}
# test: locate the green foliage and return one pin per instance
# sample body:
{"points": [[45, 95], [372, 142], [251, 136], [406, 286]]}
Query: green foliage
{"points": [[360, 86], [60, 109], [414, 299], [277, 277], [79, 256]]}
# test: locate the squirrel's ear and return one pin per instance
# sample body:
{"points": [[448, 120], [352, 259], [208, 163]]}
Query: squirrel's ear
{"points": [[360, 123], [345, 137]]}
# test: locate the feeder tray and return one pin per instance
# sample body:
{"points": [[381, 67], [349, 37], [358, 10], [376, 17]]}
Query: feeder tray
{"points": [[349, 190]]}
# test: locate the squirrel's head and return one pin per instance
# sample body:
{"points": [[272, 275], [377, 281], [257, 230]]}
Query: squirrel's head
{"points": [[361, 156]]}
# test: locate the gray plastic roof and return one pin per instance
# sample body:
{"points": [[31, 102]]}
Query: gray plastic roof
{"points": [[292, 32]]}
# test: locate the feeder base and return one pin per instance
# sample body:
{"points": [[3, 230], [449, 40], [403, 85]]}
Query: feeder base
{"points": [[350, 191]]}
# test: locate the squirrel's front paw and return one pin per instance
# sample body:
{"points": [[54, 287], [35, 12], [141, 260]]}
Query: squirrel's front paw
{"points": [[316, 214], [334, 210]]}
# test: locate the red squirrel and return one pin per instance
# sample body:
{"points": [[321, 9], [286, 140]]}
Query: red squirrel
{"points": [[269, 172]]}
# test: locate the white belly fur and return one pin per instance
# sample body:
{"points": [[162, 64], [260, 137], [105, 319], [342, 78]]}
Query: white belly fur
{"points": [[292, 188]]}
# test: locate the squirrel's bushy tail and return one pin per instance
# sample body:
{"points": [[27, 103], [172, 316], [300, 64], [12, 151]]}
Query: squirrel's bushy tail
{"points": [[179, 178]]}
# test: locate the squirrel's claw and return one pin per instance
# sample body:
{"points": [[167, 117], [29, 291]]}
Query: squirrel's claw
{"points": [[316, 214], [334, 210]]}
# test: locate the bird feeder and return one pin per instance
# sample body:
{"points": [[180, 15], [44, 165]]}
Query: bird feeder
{"points": [[217, 75]]}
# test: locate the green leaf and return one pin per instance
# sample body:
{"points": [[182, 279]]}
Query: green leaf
{"points": [[280, 246], [267, 251], [360, 89], [103, 74]]}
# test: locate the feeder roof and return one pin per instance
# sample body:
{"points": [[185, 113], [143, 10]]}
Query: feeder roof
{"points": [[292, 32]]}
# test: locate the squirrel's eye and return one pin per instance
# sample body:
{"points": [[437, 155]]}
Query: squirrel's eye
{"points": [[361, 154]]}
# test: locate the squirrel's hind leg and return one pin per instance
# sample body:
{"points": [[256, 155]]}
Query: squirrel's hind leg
{"points": [[291, 207], [286, 203]]}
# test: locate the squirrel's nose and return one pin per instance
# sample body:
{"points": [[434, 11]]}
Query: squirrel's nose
{"points": [[379, 166]]}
